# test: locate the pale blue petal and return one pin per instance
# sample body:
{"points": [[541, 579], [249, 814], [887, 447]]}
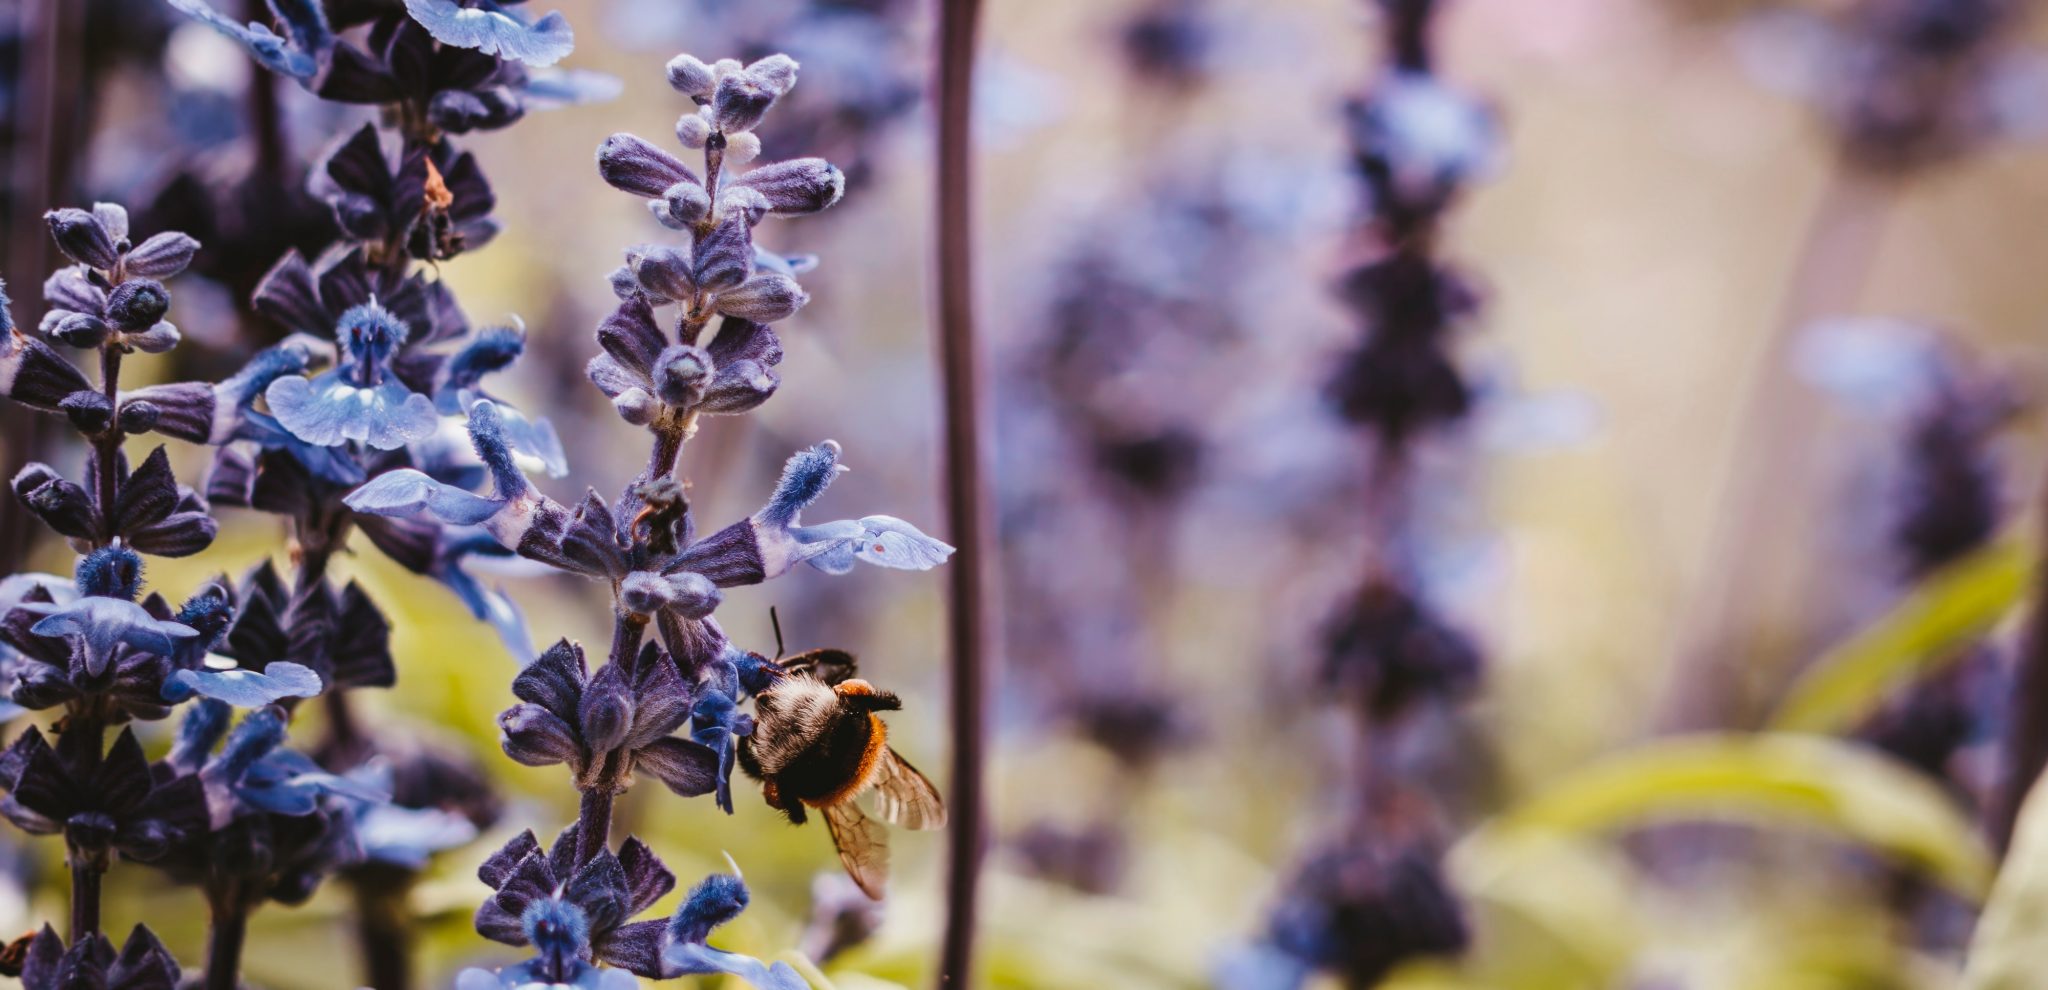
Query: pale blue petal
{"points": [[884, 541], [495, 31], [326, 463], [106, 622], [409, 494], [535, 438], [330, 410], [272, 51], [692, 959], [891, 542], [245, 688]]}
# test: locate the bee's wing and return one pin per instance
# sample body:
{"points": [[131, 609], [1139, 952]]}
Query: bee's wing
{"points": [[863, 846], [904, 798], [828, 665]]}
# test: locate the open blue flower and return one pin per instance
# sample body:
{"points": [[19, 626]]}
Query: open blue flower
{"points": [[400, 836], [773, 540], [360, 399], [718, 899], [104, 615], [490, 28], [253, 774]]}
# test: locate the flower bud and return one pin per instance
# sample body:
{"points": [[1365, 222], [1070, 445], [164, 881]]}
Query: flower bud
{"points": [[765, 298], [34, 374], [82, 330], [137, 305], [90, 831], [535, 737], [681, 373], [162, 256], [798, 186], [742, 148], [62, 505], [138, 416], [183, 409], [664, 273], [725, 257], [693, 129], [740, 103], [155, 340], [688, 203], [774, 73], [82, 237], [635, 406], [633, 165], [606, 712], [740, 387], [88, 410], [691, 77]]}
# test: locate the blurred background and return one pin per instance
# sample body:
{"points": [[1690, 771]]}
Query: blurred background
{"points": [[1702, 355]]}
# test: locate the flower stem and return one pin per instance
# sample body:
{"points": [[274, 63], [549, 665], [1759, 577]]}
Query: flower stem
{"points": [[383, 928], [266, 123], [230, 928], [87, 870], [966, 510], [106, 447], [594, 822]]}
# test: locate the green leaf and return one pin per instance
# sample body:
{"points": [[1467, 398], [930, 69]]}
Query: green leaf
{"points": [[1951, 608], [1770, 779], [2011, 938]]}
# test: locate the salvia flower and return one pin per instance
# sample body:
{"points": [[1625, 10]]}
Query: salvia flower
{"points": [[98, 802], [451, 87], [607, 726], [115, 293], [1418, 142], [301, 52], [573, 916], [433, 200], [104, 619], [92, 964]]}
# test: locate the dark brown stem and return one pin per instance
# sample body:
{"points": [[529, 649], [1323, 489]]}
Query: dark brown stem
{"points": [[383, 928], [106, 447], [594, 822], [966, 511], [86, 871], [225, 937]]}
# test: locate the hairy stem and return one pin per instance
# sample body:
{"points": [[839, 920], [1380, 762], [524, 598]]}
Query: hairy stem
{"points": [[594, 822], [87, 869], [106, 447], [225, 936], [966, 510]]}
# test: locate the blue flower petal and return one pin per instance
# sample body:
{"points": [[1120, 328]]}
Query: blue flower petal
{"points": [[409, 494], [245, 688], [495, 31], [884, 541], [534, 438], [105, 622], [275, 53], [692, 959], [330, 410], [329, 464]]}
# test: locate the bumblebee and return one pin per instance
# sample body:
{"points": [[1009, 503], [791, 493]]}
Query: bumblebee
{"points": [[819, 744]]}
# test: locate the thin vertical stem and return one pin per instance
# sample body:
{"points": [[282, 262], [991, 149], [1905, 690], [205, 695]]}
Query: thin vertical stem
{"points": [[86, 872], [965, 493], [106, 446], [384, 929], [594, 822], [225, 936]]}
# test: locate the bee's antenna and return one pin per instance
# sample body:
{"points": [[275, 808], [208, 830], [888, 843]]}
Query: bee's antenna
{"points": [[776, 621]]}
